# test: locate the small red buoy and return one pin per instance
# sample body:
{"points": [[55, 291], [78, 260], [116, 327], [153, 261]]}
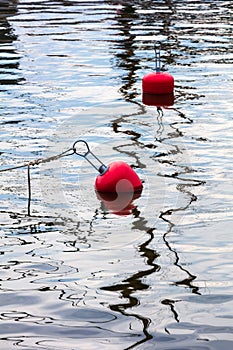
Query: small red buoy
{"points": [[119, 178], [157, 82]]}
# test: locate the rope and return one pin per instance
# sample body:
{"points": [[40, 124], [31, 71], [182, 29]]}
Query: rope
{"points": [[40, 160], [66, 153]]}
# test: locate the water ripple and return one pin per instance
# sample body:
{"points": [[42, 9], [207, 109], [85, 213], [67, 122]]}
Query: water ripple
{"points": [[75, 274]]}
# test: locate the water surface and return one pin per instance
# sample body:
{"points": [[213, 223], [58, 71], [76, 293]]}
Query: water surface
{"points": [[76, 273]]}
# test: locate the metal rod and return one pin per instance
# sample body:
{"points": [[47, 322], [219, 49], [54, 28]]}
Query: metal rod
{"points": [[157, 57], [102, 168]]}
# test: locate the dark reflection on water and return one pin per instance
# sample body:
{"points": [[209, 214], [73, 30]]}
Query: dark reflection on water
{"points": [[9, 60], [74, 275], [134, 284], [124, 51]]}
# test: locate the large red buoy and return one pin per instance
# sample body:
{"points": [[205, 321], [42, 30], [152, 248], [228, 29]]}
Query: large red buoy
{"points": [[157, 82], [118, 177]]}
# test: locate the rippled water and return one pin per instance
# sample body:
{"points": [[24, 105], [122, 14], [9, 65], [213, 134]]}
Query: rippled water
{"points": [[76, 273]]}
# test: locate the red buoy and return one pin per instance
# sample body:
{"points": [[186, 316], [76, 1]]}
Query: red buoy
{"points": [[157, 83], [118, 178]]}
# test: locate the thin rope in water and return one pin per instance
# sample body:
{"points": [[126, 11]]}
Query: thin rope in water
{"points": [[39, 161]]}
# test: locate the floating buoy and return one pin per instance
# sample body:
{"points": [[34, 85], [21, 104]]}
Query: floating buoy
{"points": [[157, 82], [118, 177]]}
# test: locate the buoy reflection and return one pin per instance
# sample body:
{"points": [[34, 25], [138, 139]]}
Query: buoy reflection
{"points": [[121, 203], [162, 100]]}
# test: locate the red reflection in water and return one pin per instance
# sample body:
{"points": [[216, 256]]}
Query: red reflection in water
{"points": [[119, 203]]}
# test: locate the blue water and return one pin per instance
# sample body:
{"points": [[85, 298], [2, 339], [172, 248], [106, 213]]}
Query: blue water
{"points": [[84, 273]]}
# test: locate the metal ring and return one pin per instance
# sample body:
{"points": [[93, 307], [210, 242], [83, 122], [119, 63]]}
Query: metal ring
{"points": [[79, 154]]}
